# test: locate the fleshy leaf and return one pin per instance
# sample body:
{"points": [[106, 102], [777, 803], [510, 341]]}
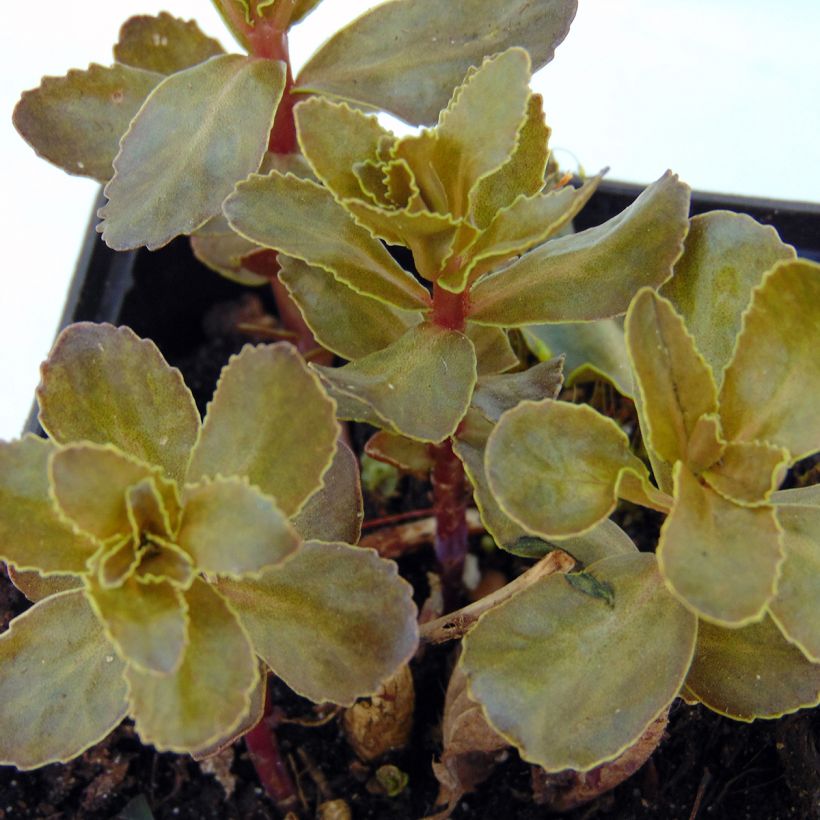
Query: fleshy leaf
{"points": [[420, 386], [335, 511], [794, 608], [164, 44], [592, 274], [270, 422], [303, 220], [118, 562], [751, 672], [724, 258], [61, 685], [579, 659], [153, 507], [231, 528], [675, 382], [36, 587], [226, 253], [495, 395], [170, 180], [719, 558], [493, 350], [603, 541], [406, 56], [748, 472], [32, 534], [801, 496], [592, 349], [210, 694], [163, 561], [108, 386], [404, 453], [775, 366], [76, 121], [334, 622], [342, 320], [146, 623]]}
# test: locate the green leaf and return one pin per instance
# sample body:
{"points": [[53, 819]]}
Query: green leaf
{"points": [[32, 534], [36, 587], [226, 253], [163, 561], [231, 528], [404, 453], [346, 322], [406, 56], [419, 386], [495, 395], [775, 367], [593, 350], [724, 258], [335, 511], [169, 179], [164, 44], [106, 385], [301, 9], [334, 622], [146, 623], [794, 608], [588, 584], [154, 507], [719, 558], [270, 422], [76, 121], [748, 472], [493, 350], [592, 274], [565, 687], [802, 496], [752, 672], [61, 686], [675, 382], [210, 694], [303, 220]]}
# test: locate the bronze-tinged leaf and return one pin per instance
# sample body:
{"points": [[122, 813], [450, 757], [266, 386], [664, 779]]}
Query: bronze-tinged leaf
{"points": [[36, 586], [270, 422], [721, 559], [494, 395], [335, 511], [226, 253], [593, 350], [76, 121], [303, 220], [592, 274], [164, 44], [676, 384], [170, 179], [146, 623], [334, 622], [153, 507], [705, 446], [795, 608], [106, 385], [748, 472], [775, 367], [751, 673], [801, 496], [725, 256], [33, 536], [493, 349], [163, 561], [579, 684], [343, 321], [404, 453], [231, 528], [61, 684], [210, 694], [419, 386], [406, 56], [603, 541]]}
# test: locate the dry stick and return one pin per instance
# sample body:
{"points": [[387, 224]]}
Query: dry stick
{"points": [[457, 624]]}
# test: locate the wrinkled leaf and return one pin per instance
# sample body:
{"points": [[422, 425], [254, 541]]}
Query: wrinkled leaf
{"points": [[420, 386], [719, 558], [333, 622], [281, 440], [210, 694], [592, 274], [36, 587], [724, 258], [406, 56], [108, 386], [76, 121], [751, 672], [565, 687], [32, 534], [495, 395], [748, 472], [164, 44], [61, 686], [170, 179]]}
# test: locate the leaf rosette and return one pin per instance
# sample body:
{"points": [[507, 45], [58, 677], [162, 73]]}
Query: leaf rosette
{"points": [[167, 557]]}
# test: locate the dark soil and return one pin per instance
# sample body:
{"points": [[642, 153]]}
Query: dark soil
{"points": [[707, 766]]}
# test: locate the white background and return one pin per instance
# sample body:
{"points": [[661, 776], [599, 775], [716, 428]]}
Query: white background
{"points": [[725, 92]]}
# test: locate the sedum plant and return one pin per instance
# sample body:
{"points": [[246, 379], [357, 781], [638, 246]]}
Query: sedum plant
{"points": [[174, 562]]}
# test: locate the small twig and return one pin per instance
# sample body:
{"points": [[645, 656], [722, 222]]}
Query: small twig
{"points": [[704, 782], [458, 623], [386, 520], [316, 775]]}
